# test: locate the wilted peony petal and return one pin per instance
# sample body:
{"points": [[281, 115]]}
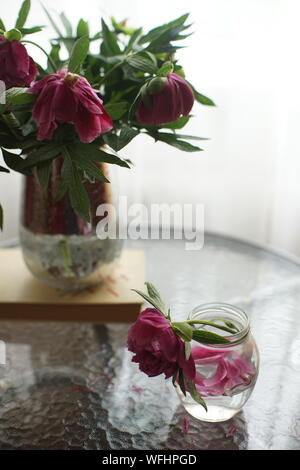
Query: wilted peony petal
{"points": [[68, 98]]}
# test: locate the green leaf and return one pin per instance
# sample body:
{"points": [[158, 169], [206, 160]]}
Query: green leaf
{"points": [[181, 382], [54, 25], [179, 124], [68, 43], [90, 168], [162, 42], [2, 26], [93, 152], [34, 29], [109, 40], [133, 40], [67, 24], [12, 123], [155, 295], [78, 54], [195, 395], [202, 99], [156, 32], [29, 127], [231, 325], [14, 103], [207, 337], [173, 140], [187, 350], [54, 54], [121, 27], [9, 142], [153, 292], [23, 14], [21, 98], [151, 301], [13, 161], [78, 196], [190, 137], [83, 29], [61, 189], [116, 110], [183, 330], [142, 63], [4, 170], [127, 134], [11, 93], [43, 172], [3, 98], [13, 35], [167, 68], [42, 154]]}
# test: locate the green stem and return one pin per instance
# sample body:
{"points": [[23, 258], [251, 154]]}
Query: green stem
{"points": [[43, 50], [67, 260], [215, 325], [228, 324]]}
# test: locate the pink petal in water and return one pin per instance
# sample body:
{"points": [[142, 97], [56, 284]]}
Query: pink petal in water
{"points": [[207, 356], [244, 366], [220, 374]]}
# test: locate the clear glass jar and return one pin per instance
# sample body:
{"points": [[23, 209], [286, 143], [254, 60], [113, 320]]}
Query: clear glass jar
{"points": [[225, 373], [60, 248]]}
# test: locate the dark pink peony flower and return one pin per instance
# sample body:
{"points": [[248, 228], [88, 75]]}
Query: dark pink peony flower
{"points": [[157, 348], [64, 97], [17, 68], [174, 98]]}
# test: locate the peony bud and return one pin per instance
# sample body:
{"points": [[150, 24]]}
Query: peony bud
{"points": [[167, 99], [157, 85], [17, 68]]}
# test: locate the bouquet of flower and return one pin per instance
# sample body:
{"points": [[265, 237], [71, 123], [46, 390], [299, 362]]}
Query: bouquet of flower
{"points": [[88, 107]]}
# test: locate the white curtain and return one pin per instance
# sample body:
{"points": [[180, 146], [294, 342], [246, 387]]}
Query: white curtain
{"points": [[245, 55]]}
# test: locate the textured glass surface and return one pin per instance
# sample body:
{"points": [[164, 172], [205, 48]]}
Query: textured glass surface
{"points": [[73, 386]]}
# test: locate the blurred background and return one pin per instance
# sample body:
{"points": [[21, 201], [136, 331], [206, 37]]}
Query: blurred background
{"points": [[245, 56]]}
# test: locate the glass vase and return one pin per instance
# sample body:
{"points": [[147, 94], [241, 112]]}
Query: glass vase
{"points": [[60, 248], [225, 373]]}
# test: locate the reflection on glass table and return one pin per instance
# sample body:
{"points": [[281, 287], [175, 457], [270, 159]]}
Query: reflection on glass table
{"points": [[73, 386]]}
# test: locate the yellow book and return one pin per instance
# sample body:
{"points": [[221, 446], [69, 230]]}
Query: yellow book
{"points": [[22, 297]]}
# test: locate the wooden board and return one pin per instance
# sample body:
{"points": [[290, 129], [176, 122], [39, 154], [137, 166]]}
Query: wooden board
{"points": [[22, 297]]}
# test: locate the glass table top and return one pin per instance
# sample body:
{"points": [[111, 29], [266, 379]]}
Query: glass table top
{"points": [[73, 386]]}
